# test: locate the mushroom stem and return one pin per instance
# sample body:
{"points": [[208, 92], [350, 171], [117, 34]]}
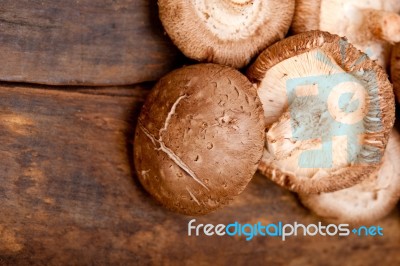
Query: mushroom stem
{"points": [[384, 25]]}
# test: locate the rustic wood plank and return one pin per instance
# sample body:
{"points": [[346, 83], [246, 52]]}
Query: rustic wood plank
{"points": [[87, 42], [69, 195]]}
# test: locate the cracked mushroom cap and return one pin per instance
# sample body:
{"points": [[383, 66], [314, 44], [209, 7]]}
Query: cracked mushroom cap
{"points": [[368, 201], [395, 70], [199, 138], [370, 26], [328, 110], [228, 32]]}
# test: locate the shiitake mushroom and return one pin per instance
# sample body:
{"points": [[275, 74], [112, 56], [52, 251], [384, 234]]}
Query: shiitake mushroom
{"points": [[371, 26], [199, 138], [328, 108], [228, 32], [368, 201]]}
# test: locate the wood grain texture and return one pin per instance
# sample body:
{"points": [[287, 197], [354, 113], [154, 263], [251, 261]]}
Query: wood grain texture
{"points": [[69, 195], [87, 42]]}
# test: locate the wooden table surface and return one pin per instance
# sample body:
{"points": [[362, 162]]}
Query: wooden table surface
{"points": [[69, 195], [86, 42]]}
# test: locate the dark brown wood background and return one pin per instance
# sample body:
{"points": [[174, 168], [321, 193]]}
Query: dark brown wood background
{"points": [[87, 42], [69, 194]]}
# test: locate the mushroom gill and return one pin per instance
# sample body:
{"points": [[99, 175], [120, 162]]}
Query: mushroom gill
{"points": [[371, 26], [367, 201], [328, 110], [228, 32]]}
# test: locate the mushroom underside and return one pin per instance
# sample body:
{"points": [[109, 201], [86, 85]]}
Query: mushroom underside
{"points": [[225, 32], [367, 201], [328, 110], [371, 26]]}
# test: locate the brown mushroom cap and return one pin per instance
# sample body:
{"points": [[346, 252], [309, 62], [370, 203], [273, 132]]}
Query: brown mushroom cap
{"points": [[199, 138], [317, 141], [369, 25], [367, 201], [395, 70], [228, 32]]}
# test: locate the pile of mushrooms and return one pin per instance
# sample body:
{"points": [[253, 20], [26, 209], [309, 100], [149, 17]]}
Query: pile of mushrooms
{"points": [[312, 112], [200, 135]]}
